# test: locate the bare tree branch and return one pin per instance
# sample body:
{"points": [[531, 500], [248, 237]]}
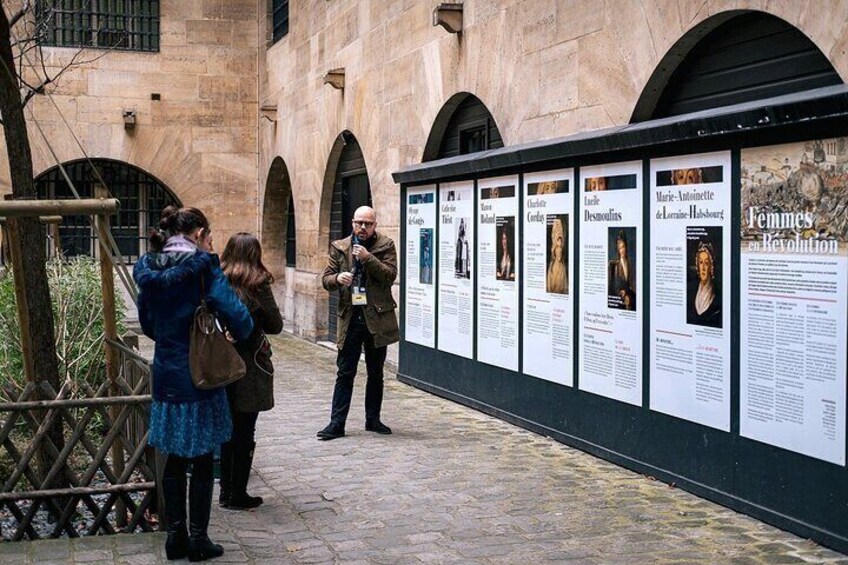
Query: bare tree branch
{"points": [[25, 8]]}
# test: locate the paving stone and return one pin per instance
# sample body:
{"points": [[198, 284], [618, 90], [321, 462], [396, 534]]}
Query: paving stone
{"points": [[450, 486], [141, 559], [95, 556], [50, 550]]}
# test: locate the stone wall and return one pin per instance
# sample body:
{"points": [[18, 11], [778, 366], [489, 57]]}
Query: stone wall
{"points": [[544, 68], [200, 139]]}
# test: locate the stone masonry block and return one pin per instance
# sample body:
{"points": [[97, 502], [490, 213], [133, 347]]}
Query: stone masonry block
{"points": [[576, 18], [557, 86], [209, 32]]}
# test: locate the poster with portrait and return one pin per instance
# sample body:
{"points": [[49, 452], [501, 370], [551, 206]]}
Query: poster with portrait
{"points": [[420, 306], [690, 285], [498, 272], [456, 273], [548, 218], [610, 316], [794, 297]]}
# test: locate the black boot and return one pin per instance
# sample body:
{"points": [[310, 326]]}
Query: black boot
{"points": [[226, 481], [242, 460], [200, 547], [174, 492]]}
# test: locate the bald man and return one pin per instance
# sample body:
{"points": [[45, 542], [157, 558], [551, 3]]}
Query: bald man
{"points": [[362, 268]]}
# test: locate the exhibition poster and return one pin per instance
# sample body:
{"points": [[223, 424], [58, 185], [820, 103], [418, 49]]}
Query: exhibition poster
{"points": [[547, 257], [456, 272], [610, 350], [498, 272], [420, 307], [794, 273], [690, 286]]}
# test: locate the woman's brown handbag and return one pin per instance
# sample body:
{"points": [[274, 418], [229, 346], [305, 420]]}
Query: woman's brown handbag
{"points": [[213, 360]]}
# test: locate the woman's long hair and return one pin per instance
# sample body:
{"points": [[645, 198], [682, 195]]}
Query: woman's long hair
{"points": [[242, 263], [175, 221]]}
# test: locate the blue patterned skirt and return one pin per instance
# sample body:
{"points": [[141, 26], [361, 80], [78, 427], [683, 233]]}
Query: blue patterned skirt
{"points": [[190, 429]]}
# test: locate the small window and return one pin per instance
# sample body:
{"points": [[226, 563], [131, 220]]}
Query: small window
{"points": [[281, 19], [126, 25], [291, 235], [473, 139]]}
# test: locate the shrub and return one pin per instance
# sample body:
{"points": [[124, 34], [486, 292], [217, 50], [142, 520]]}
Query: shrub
{"points": [[77, 300]]}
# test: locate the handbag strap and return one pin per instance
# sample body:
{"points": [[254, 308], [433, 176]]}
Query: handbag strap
{"points": [[202, 288]]}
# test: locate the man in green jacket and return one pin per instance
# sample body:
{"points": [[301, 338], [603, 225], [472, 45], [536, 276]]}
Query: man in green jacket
{"points": [[362, 268]]}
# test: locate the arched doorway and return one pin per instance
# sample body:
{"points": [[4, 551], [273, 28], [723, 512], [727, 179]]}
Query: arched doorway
{"points": [[463, 125], [346, 188], [733, 57], [141, 195], [279, 236]]}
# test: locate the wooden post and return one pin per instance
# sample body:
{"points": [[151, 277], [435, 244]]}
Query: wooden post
{"points": [[110, 331], [53, 229]]}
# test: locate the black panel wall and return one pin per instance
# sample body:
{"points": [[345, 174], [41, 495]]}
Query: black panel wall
{"points": [[795, 492]]}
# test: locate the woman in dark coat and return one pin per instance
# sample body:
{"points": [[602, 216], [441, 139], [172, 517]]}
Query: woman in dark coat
{"points": [[242, 264], [186, 423]]}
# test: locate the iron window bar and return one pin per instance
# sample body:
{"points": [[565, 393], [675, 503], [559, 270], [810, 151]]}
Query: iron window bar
{"points": [[124, 25]]}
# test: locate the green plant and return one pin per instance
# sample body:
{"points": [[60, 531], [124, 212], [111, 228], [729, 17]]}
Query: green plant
{"points": [[77, 300]]}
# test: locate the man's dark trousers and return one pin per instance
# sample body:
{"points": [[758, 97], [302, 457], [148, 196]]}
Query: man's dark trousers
{"points": [[358, 337]]}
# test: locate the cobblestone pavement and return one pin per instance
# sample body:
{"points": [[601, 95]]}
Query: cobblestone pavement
{"points": [[450, 486]]}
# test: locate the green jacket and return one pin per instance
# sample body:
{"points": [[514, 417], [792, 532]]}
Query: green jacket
{"points": [[380, 271]]}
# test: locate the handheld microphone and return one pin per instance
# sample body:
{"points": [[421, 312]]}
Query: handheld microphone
{"points": [[354, 240]]}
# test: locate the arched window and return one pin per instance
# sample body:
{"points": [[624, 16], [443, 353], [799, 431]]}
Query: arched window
{"points": [[464, 125], [142, 199], [279, 246], [731, 58]]}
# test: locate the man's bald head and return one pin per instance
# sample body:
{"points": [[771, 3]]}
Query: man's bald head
{"points": [[364, 222], [364, 211]]}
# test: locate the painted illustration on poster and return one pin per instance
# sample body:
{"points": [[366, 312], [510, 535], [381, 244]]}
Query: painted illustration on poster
{"points": [[498, 273], [705, 281], [621, 273], [690, 270], [505, 264], [455, 268], [610, 317], [420, 306], [426, 256], [462, 259], [794, 296], [547, 267]]}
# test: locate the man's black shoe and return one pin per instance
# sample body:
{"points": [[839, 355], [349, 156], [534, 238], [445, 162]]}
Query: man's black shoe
{"points": [[378, 427], [332, 431]]}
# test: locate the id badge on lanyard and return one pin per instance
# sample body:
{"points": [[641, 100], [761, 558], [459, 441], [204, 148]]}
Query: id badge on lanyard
{"points": [[357, 289], [357, 296]]}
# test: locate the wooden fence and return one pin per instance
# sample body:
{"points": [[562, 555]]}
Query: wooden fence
{"points": [[104, 468]]}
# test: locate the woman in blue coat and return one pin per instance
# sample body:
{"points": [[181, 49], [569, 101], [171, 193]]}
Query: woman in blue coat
{"points": [[185, 423]]}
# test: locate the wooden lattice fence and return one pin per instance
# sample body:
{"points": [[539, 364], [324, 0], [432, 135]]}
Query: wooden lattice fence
{"points": [[102, 480]]}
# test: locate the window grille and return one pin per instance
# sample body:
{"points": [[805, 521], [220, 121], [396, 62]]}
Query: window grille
{"points": [[126, 25], [141, 196], [281, 19], [474, 139]]}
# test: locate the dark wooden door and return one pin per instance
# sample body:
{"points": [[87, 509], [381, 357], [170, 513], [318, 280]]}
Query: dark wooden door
{"points": [[350, 191]]}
